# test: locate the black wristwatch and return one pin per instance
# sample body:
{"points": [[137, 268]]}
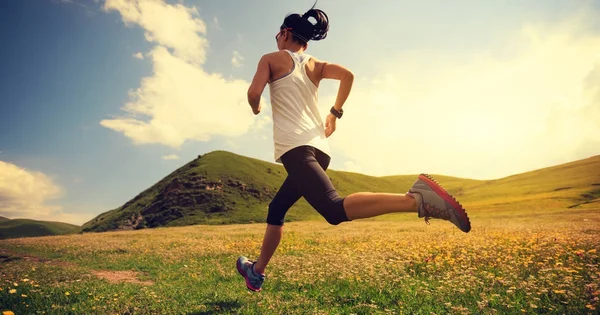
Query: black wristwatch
{"points": [[335, 113]]}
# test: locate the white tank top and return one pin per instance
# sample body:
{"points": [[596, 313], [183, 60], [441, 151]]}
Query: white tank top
{"points": [[296, 117]]}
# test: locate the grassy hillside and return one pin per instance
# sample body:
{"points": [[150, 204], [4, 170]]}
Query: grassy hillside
{"points": [[221, 188], [566, 186], [217, 188], [27, 228]]}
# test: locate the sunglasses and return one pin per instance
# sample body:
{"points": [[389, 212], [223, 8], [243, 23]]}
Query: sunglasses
{"points": [[285, 29]]}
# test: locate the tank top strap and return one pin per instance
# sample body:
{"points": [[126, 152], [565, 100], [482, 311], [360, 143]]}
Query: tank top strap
{"points": [[305, 59], [299, 59]]}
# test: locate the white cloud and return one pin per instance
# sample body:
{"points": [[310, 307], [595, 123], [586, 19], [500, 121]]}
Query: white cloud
{"points": [[27, 194], [183, 102], [24, 192], [237, 60], [171, 25], [138, 55], [171, 157], [265, 121], [180, 101], [486, 118]]}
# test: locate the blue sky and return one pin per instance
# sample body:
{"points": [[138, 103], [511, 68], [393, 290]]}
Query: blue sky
{"points": [[100, 100]]}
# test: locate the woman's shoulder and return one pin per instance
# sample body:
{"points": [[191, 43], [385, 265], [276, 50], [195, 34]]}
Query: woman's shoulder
{"points": [[274, 57], [276, 54]]}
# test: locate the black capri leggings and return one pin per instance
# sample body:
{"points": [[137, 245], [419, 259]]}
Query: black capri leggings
{"points": [[306, 178]]}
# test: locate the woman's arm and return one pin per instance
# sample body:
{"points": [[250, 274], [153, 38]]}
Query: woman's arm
{"points": [[261, 78], [346, 78]]}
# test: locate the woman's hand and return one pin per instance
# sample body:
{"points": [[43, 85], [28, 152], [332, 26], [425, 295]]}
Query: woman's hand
{"points": [[329, 125], [256, 111]]}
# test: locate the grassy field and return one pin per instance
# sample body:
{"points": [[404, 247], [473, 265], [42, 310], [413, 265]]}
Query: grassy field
{"points": [[533, 248], [536, 263]]}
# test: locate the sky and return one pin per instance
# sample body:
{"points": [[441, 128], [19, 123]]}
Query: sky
{"points": [[100, 99]]}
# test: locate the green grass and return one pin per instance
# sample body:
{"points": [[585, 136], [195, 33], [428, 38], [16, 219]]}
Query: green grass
{"points": [[25, 227], [534, 264]]}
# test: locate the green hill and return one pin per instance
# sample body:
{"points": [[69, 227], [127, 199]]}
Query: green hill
{"points": [[221, 188], [217, 188], [566, 186], [25, 228]]}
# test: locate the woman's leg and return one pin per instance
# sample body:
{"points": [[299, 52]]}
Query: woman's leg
{"points": [[306, 166], [286, 196], [426, 197], [271, 240], [366, 204]]}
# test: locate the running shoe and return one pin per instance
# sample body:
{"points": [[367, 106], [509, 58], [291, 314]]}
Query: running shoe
{"points": [[434, 202], [254, 280]]}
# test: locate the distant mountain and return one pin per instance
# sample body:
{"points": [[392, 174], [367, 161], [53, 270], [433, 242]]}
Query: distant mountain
{"points": [[27, 228], [222, 188]]}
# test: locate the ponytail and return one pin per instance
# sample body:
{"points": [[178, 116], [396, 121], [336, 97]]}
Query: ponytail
{"points": [[320, 28], [303, 30]]}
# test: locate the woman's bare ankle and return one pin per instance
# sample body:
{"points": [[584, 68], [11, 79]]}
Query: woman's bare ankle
{"points": [[258, 269]]}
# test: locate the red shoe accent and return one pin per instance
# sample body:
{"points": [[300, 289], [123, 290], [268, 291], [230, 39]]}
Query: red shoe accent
{"points": [[460, 211]]}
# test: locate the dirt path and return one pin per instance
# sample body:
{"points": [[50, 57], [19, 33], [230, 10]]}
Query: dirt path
{"points": [[112, 276]]}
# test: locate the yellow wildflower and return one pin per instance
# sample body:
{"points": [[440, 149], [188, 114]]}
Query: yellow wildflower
{"points": [[12, 291]]}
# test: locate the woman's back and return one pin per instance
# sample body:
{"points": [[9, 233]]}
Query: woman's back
{"points": [[282, 64], [293, 87]]}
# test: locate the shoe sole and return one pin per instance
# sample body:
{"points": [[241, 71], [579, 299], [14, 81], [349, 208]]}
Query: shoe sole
{"points": [[459, 211], [248, 285]]}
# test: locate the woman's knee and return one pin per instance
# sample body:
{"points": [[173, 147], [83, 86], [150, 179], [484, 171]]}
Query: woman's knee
{"points": [[274, 215], [333, 211]]}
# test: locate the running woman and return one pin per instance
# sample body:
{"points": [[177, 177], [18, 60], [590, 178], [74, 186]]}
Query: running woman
{"points": [[301, 144]]}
